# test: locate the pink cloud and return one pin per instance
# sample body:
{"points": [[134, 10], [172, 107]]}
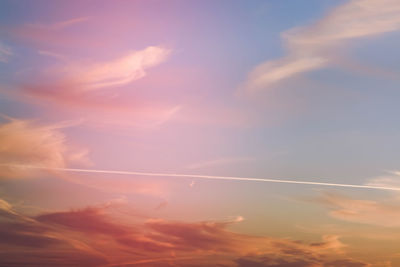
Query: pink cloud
{"points": [[79, 89], [83, 76], [96, 235]]}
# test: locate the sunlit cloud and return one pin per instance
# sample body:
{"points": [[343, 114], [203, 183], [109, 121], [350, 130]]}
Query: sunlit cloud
{"points": [[120, 71], [315, 46], [391, 178], [385, 214], [28, 142], [132, 149], [83, 76], [92, 234], [26, 241], [82, 85]]}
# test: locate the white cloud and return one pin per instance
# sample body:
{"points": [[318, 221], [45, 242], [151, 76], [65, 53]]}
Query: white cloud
{"points": [[313, 47], [391, 179]]}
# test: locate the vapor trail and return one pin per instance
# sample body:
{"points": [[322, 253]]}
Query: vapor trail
{"points": [[210, 177]]}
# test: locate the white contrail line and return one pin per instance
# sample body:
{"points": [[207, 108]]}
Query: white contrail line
{"points": [[211, 177]]}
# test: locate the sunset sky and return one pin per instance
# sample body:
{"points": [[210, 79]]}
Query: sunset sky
{"points": [[132, 133]]}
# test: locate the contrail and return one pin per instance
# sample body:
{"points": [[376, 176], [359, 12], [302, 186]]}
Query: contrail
{"points": [[210, 177]]}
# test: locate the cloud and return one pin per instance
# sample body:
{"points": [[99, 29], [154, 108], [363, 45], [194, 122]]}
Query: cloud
{"points": [[25, 142], [314, 46], [5, 206], [79, 88], [96, 235], [75, 85], [268, 262], [385, 214], [391, 179], [117, 72], [25, 241], [83, 76], [89, 220]]}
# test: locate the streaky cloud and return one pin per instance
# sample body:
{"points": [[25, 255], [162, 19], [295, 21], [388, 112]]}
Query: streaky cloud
{"points": [[378, 213], [313, 47]]}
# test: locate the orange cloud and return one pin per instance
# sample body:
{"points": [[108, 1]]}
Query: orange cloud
{"points": [[384, 214], [94, 235], [391, 179], [25, 142], [28, 143]]}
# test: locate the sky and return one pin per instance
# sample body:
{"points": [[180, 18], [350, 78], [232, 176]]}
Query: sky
{"points": [[200, 133]]}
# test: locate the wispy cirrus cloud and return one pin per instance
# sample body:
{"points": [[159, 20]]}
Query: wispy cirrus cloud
{"points": [[83, 74], [76, 85], [384, 213], [86, 75], [391, 178], [315, 46], [93, 236], [120, 71], [82, 85]]}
